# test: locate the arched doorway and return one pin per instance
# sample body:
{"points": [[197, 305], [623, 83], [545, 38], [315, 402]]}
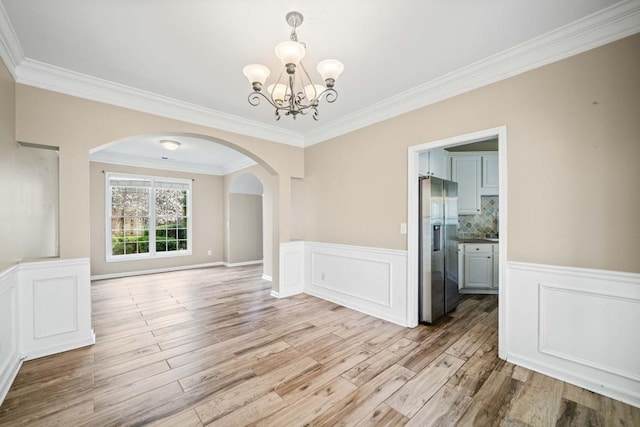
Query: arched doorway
{"points": [[210, 193], [244, 238]]}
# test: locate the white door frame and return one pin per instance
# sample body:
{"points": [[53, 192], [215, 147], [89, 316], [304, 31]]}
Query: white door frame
{"points": [[412, 222]]}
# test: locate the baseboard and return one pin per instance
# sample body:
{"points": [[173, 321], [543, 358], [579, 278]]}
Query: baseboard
{"points": [[576, 325], [154, 271], [275, 294], [7, 378], [242, 264], [60, 348], [267, 277]]}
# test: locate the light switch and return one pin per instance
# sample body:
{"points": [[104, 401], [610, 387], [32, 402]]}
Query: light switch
{"points": [[403, 228]]}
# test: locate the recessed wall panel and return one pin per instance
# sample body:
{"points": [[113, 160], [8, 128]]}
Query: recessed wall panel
{"points": [[54, 306]]}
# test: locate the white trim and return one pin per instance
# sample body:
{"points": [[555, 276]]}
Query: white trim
{"points": [[10, 50], [145, 162], [70, 345], [152, 254], [241, 264], [413, 153], [576, 325], [7, 380], [267, 278], [154, 271], [605, 26], [292, 268]]}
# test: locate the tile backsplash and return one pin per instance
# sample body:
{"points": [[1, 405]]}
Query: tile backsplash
{"points": [[485, 224]]}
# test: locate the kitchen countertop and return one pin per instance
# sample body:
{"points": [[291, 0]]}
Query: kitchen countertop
{"points": [[476, 241]]}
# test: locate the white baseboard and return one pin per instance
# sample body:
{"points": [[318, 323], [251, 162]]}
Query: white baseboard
{"points": [[155, 270], [275, 294], [267, 277], [7, 377], [59, 348], [242, 264], [576, 325]]}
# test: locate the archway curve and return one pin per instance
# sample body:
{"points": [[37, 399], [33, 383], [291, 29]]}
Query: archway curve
{"points": [[220, 141]]}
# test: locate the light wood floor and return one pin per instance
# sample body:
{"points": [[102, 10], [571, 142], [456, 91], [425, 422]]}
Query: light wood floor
{"points": [[210, 346]]}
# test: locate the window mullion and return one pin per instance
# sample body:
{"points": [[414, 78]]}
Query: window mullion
{"points": [[152, 218]]}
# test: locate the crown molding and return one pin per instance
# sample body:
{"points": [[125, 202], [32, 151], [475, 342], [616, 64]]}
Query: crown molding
{"points": [[171, 165], [610, 24], [10, 50], [45, 76]]}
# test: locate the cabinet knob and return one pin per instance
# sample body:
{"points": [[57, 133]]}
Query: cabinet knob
{"points": [[488, 257]]}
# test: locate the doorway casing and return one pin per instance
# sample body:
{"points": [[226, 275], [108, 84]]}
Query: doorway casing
{"points": [[412, 222]]}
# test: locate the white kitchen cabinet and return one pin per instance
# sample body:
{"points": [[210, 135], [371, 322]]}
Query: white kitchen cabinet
{"points": [[466, 171], [433, 163], [490, 174], [480, 266]]}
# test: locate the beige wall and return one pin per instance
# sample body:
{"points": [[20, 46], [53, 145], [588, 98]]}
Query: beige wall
{"points": [[9, 218], [573, 149], [245, 227], [78, 125], [207, 217]]}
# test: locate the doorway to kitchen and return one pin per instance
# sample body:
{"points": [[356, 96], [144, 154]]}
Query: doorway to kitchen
{"points": [[413, 172]]}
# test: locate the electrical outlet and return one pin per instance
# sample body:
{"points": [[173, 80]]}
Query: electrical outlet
{"points": [[209, 252], [403, 228]]}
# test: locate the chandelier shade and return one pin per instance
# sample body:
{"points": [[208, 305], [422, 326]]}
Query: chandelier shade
{"points": [[294, 92]]}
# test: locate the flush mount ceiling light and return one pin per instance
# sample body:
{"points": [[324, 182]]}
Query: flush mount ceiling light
{"points": [[170, 145], [294, 92]]}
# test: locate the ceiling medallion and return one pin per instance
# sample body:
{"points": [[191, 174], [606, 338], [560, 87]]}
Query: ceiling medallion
{"points": [[294, 92]]}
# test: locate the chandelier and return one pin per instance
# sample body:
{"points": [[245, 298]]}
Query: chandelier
{"points": [[294, 92]]}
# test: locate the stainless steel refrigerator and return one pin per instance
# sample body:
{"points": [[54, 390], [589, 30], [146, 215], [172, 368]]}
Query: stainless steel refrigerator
{"points": [[438, 248]]}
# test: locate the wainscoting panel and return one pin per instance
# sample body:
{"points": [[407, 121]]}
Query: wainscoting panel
{"points": [[292, 268], [55, 307], [369, 280], [10, 361], [577, 325]]}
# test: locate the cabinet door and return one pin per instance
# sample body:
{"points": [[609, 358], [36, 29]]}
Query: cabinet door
{"points": [[438, 163], [465, 170], [478, 270], [490, 173]]}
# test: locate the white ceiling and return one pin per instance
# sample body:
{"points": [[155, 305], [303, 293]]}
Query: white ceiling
{"points": [[184, 59]]}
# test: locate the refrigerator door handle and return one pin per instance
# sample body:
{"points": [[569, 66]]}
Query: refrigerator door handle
{"points": [[436, 238]]}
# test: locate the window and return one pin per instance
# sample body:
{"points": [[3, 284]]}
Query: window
{"points": [[147, 216]]}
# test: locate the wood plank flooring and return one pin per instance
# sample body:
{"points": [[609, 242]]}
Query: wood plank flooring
{"points": [[211, 346]]}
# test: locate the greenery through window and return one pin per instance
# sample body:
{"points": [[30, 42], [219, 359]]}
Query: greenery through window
{"points": [[147, 216]]}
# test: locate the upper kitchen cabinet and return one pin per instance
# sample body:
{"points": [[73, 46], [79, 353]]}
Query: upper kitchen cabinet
{"points": [[490, 180], [433, 163], [466, 171]]}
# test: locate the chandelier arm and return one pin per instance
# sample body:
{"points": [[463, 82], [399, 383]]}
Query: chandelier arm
{"points": [[306, 74], [330, 94], [254, 99]]}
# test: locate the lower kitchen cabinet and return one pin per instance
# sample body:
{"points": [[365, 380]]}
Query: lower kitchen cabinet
{"points": [[480, 270]]}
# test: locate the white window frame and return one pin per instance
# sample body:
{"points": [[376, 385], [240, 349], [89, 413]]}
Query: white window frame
{"points": [[152, 254]]}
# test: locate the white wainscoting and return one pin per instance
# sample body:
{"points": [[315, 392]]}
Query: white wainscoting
{"points": [[577, 325], [369, 280], [291, 269], [10, 360], [45, 308]]}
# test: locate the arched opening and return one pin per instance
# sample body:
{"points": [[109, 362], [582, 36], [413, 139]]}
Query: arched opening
{"points": [[209, 165], [244, 239]]}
